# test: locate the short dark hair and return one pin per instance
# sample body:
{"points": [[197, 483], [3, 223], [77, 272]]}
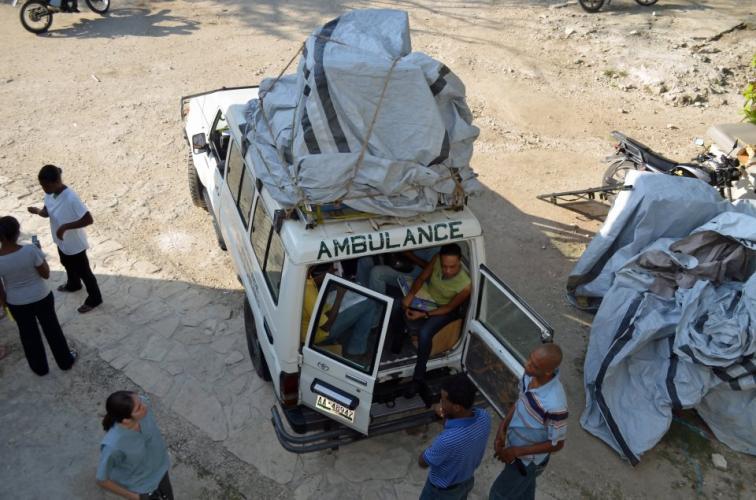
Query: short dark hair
{"points": [[460, 390], [49, 173], [9, 228], [451, 249]]}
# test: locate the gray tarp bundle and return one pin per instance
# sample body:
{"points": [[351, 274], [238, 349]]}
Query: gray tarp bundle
{"points": [[364, 121], [677, 323]]}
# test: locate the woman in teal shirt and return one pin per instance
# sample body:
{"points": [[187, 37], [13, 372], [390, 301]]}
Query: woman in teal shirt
{"points": [[134, 460]]}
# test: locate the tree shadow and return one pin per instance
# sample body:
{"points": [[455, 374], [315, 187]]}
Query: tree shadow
{"points": [[123, 22]]}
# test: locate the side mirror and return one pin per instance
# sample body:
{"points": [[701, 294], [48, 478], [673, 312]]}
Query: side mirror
{"points": [[199, 143]]}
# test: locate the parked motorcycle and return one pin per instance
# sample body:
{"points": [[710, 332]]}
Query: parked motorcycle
{"points": [[37, 15], [595, 5], [718, 170]]}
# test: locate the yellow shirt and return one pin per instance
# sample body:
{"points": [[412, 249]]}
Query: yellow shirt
{"points": [[443, 290], [310, 298]]}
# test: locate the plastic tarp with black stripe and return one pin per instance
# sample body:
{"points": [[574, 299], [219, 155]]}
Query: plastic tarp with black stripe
{"points": [[676, 328], [364, 121]]}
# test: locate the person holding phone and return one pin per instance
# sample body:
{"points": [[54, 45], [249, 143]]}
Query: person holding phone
{"points": [[23, 289]]}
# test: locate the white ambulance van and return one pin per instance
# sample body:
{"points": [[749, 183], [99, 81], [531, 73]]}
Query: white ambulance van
{"points": [[326, 398]]}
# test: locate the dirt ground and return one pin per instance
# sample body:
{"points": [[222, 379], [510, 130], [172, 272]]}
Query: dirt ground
{"points": [[99, 96]]}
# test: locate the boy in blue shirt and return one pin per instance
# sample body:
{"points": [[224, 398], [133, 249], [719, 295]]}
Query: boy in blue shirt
{"points": [[458, 450]]}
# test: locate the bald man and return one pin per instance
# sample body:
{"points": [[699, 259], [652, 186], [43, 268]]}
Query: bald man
{"points": [[535, 426]]}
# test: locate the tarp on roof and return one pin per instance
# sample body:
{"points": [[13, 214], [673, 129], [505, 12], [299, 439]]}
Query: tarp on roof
{"points": [[364, 121]]}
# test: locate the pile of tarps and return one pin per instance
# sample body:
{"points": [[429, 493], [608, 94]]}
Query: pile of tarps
{"points": [[365, 122], [673, 268]]}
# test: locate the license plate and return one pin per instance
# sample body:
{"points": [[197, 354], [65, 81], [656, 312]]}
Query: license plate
{"points": [[334, 408]]}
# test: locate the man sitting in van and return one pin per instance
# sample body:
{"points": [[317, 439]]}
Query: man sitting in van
{"points": [[346, 320], [444, 280], [407, 263]]}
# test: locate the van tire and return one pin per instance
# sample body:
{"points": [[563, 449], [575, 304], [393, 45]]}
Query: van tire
{"points": [[216, 227], [253, 344], [195, 185]]}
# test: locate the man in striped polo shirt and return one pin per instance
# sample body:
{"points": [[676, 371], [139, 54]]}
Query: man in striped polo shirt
{"points": [[535, 426], [458, 450]]}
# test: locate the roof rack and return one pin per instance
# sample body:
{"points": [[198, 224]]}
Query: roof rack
{"points": [[316, 214]]}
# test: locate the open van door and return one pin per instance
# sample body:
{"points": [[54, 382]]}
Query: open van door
{"points": [[501, 335], [341, 353]]}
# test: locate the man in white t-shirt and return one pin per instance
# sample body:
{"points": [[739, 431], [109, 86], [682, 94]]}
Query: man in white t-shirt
{"points": [[68, 218]]}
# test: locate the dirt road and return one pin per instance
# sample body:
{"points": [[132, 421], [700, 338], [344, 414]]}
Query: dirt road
{"points": [[99, 97]]}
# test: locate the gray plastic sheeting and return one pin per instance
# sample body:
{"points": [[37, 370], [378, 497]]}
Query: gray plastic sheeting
{"points": [[649, 353], [307, 133]]}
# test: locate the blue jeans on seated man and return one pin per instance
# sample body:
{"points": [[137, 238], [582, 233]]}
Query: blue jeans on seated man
{"points": [[354, 322], [458, 491], [426, 329], [377, 277]]}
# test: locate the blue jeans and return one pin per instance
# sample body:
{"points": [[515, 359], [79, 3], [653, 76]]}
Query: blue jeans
{"points": [[354, 322], [426, 329], [378, 277], [512, 485], [457, 492]]}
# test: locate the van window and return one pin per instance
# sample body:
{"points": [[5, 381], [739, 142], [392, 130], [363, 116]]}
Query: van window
{"points": [[268, 248], [240, 184], [274, 265], [219, 140], [235, 171], [261, 226], [246, 197], [348, 327]]}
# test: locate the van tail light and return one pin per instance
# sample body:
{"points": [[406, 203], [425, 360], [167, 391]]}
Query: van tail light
{"points": [[289, 387]]}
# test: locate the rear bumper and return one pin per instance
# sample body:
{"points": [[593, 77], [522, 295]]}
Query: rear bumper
{"points": [[332, 434]]}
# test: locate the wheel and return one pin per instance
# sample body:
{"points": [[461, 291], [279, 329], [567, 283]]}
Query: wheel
{"points": [[99, 6], [615, 174], [646, 3], [591, 5], [195, 185], [35, 16], [253, 344], [216, 228]]}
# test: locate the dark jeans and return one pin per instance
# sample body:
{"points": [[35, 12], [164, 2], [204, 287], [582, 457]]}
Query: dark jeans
{"points": [[426, 329], [512, 485], [458, 491], [164, 491], [26, 317], [78, 270]]}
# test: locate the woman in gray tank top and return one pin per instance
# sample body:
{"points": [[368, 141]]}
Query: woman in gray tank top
{"points": [[23, 288]]}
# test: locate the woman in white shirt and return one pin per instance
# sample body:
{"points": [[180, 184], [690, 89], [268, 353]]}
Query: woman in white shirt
{"points": [[23, 287]]}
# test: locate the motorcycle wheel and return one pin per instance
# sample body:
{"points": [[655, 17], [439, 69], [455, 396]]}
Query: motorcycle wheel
{"points": [[99, 6], [35, 16], [615, 174], [646, 3], [592, 5]]}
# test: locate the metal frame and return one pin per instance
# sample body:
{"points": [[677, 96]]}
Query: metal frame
{"points": [[563, 199]]}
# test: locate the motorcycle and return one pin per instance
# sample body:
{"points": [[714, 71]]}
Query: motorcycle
{"points": [[713, 167], [595, 5], [37, 15]]}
